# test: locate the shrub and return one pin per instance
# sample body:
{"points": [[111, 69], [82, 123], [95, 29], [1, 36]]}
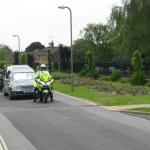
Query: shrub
{"points": [[138, 76], [124, 80], [137, 79], [115, 76], [105, 78], [147, 84], [60, 75]]}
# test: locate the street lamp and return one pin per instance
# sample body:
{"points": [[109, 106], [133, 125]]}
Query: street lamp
{"points": [[72, 78], [18, 41]]}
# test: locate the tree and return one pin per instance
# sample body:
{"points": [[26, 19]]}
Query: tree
{"points": [[33, 46], [4, 51], [23, 59], [30, 60], [64, 52], [97, 38], [130, 26], [16, 57]]}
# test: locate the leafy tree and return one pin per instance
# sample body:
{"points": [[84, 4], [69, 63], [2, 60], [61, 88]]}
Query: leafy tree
{"points": [[130, 26], [138, 76], [23, 59], [33, 46], [4, 51], [16, 57], [97, 38]]}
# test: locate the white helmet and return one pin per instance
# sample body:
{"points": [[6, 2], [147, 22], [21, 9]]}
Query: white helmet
{"points": [[43, 66]]}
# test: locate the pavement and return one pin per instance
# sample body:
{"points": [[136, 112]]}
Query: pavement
{"points": [[9, 134]]}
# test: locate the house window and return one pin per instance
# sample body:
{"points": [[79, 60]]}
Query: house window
{"points": [[38, 58]]}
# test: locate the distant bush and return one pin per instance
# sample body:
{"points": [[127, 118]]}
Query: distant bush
{"points": [[147, 84], [60, 75], [123, 80], [115, 76], [105, 78]]}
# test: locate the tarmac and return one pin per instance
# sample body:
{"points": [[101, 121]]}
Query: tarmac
{"points": [[8, 131]]}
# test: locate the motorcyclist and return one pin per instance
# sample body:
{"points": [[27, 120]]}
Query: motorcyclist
{"points": [[39, 75]]}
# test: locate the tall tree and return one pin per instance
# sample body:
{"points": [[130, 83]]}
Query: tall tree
{"points": [[64, 52], [33, 46], [16, 57]]}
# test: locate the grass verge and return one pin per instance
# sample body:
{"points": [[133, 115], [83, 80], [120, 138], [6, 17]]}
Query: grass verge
{"points": [[140, 109], [101, 98]]}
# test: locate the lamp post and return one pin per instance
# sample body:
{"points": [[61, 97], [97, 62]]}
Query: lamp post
{"points": [[72, 78], [18, 41]]}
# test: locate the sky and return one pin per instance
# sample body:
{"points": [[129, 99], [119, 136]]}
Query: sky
{"points": [[42, 21]]}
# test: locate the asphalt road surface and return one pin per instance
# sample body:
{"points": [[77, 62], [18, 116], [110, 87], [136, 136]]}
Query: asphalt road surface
{"points": [[69, 124]]}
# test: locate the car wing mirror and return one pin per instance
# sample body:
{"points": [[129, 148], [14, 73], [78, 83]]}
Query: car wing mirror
{"points": [[7, 80]]}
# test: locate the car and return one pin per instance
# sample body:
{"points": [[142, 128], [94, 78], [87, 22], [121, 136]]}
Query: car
{"points": [[19, 80]]}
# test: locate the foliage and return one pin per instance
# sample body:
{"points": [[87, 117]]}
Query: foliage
{"points": [[147, 84], [105, 78], [23, 59], [101, 98], [49, 60], [130, 27], [16, 57], [65, 54], [30, 60], [109, 87], [115, 76], [60, 75], [138, 76], [89, 69], [33, 46], [4, 51], [2, 63]]}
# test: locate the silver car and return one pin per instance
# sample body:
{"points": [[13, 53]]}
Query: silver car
{"points": [[19, 80]]}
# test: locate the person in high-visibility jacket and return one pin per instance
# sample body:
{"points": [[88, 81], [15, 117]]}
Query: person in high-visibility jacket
{"points": [[41, 74]]}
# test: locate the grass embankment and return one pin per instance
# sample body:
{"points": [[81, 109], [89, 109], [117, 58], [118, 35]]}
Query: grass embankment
{"points": [[101, 98]]}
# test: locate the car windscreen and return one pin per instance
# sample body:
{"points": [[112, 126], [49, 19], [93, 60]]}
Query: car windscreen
{"points": [[23, 76]]}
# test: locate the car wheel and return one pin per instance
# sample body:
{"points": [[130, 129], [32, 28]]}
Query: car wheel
{"points": [[5, 94], [10, 95]]}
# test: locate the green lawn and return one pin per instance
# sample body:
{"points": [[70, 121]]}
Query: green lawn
{"points": [[141, 109], [101, 98]]}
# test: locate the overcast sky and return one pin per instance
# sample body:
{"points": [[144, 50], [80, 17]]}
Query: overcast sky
{"points": [[42, 21]]}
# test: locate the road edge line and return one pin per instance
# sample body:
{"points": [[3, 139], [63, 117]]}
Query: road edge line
{"points": [[2, 144]]}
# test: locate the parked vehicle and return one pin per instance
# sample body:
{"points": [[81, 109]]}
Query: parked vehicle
{"points": [[1, 81], [19, 80], [45, 90]]}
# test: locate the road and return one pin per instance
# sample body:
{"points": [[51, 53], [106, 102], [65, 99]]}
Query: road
{"points": [[69, 124]]}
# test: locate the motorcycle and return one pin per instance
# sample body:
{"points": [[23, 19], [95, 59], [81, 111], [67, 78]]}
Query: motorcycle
{"points": [[44, 91]]}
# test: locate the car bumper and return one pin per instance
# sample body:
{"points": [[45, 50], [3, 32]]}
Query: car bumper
{"points": [[20, 93]]}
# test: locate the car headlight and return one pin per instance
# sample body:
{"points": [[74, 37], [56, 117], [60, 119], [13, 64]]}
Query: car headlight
{"points": [[16, 88]]}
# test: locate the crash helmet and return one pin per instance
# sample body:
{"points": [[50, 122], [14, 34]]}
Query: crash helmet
{"points": [[43, 67]]}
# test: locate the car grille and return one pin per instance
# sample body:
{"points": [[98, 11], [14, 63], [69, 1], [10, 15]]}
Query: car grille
{"points": [[27, 88]]}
